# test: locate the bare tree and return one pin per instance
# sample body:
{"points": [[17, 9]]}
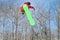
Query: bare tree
{"points": [[49, 31], [59, 24]]}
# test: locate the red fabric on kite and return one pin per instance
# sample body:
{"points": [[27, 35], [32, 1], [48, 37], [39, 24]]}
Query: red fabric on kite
{"points": [[29, 6]]}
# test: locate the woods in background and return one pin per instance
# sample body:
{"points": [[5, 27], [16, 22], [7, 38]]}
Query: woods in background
{"points": [[13, 26]]}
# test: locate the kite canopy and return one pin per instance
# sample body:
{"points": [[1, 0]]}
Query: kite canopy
{"points": [[28, 3]]}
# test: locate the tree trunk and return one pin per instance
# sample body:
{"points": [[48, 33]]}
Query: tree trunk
{"points": [[58, 24]]}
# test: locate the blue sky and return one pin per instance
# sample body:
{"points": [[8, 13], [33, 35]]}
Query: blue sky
{"points": [[45, 4]]}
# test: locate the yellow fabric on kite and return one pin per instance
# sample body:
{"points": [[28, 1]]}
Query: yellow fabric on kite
{"points": [[29, 16]]}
